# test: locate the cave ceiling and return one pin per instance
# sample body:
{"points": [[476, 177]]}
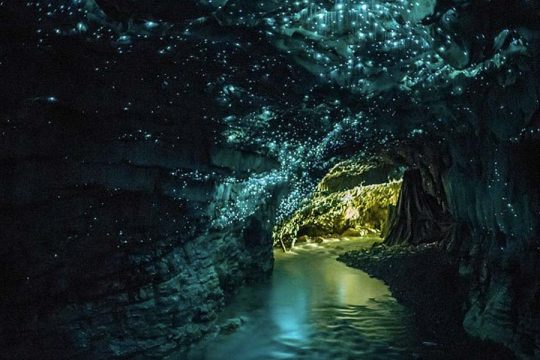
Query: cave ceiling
{"points": [[305, 82]]}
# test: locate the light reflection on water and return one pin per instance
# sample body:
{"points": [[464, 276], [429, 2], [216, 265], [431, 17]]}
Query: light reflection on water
{"points": [[314, 307]]}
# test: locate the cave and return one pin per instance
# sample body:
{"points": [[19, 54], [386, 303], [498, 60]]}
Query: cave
{"points": [[315, 179]]}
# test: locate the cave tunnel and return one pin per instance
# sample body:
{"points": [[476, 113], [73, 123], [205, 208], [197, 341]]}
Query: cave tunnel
{"points": [[277, 179]]}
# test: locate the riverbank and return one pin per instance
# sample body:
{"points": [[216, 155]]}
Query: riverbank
{"points": [[426, 281]]}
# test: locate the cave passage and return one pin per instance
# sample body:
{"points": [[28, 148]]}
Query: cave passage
{"points": [[160, 160], [315, 306]]}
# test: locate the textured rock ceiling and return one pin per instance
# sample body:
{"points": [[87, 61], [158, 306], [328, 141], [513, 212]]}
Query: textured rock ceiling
{"points": [[304, 82]]}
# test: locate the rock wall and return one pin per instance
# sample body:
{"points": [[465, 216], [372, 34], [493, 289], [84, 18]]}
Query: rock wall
{"points": [[480, 169], [493, 196], [119, 199], [498, 202], [417, 217], [477, 195], [106, 251]]}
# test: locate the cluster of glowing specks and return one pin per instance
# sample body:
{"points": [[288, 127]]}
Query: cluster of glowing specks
{"points": [[301, 151], [365, 46], [378, 47], [370, 47], [238, 199]]}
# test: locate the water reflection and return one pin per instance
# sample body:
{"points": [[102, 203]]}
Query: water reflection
{"points": [[314, 308]]}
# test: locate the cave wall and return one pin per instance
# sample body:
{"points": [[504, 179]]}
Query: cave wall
{"points": [[417, 217], [492, 191], [106, 253], [118, 197], [495, 196], [475, 191], [479, 169]]}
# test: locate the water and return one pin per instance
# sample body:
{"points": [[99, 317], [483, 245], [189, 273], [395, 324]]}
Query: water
{"points": [[315, 307]]}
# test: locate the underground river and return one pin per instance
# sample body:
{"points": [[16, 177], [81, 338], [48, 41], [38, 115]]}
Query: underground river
{"points": [[315, 307]]}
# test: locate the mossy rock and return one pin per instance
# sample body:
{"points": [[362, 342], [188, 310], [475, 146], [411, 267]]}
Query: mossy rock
{"points": [[357, 211]]}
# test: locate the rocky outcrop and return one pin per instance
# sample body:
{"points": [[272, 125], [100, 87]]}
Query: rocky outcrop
{"points": [[418, 217], [345, 203]]}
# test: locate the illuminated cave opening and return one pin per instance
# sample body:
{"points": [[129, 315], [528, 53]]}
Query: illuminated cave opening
{"points": [[353, 201]]}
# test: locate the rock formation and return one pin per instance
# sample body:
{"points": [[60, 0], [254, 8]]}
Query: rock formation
{"points": [[352, 200]]}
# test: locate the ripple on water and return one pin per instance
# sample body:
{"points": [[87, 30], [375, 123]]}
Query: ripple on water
{"points": [[381, 330]]}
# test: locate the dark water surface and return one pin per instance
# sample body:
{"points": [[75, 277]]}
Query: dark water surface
{"points": [[315, 307]]}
